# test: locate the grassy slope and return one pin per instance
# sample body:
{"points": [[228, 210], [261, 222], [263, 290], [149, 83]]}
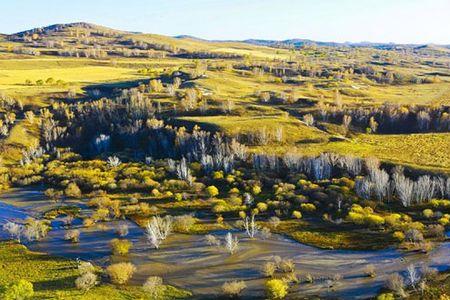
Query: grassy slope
{"points": [[53, 278], [427, 151], [22, 136]]}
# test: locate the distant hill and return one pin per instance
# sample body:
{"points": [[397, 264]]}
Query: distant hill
{"points": [[60, 27], [82, 35], [305, 42]]}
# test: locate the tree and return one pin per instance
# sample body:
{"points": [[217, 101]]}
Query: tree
{"points": [[231, 244], [373, 125], [15, 230], [337, 98], [20, 290], [158, 229], [251, 228], [346, 120]]}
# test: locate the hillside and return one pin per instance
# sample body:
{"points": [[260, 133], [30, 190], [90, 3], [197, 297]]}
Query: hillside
{"points": [[256, 83]]}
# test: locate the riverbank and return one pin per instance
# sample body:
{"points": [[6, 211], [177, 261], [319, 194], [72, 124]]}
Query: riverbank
{"points": [[54, 277]]}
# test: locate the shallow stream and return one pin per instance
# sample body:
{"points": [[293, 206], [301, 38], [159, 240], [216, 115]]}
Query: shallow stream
{"points": [[188, 262]]}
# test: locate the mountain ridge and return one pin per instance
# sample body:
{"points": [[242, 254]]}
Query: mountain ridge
{"points": [[294, 42]]}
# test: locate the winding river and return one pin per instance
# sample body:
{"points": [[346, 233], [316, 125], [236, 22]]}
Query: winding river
{"points": [[188, 262]]}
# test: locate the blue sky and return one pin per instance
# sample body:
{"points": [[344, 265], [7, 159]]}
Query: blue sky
{"points": [[401, 21]]}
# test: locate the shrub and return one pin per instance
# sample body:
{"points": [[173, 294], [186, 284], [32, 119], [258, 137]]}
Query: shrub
{"points": [[392, 219], [234, 191], [154, 287], [444, 221], [212, 191], [233, 288], [72, 235], [88, 222], [155, 193], [286, 266], [398, 235], [396, 284], [20, 290], [374, 220], [122, 229], [427, 213], [369, 270], [440, 203], [218, 175], [120, 247], [414, 236], [296, 214], [72, 190], [276, 289], [386, 296], [178, 197], [256, 190], [211, 240], [436, 230], [269, 269], [274, 222], [86, 281], [85, 267], [355, 217], [183, 223], [262, 207], [120, 273], [308, 207]]}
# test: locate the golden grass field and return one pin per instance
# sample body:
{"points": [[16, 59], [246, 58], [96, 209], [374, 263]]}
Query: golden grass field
{"points": [[425, 151]]}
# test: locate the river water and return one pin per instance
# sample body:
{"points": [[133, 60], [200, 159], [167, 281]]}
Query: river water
{"points": [[188, 262]]}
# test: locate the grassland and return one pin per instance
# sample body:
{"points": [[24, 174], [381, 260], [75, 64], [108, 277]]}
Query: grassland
{"points": [[322, 236], [53, 278]]}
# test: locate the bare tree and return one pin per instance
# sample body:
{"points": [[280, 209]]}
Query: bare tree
{"points": [[404, 188], [158, 229], [363, 187], [15, 230], [279, 134], [308, 119], [380, 183], [113, 161], [413, 275], [231, 244], [346, 120], [395, 283], [250, 226], [424, 189], [183, 171]]}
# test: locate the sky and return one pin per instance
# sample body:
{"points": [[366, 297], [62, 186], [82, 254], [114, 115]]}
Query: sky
{"points": [[399, 21]]}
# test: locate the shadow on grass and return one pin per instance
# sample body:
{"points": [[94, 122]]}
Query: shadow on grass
{"points": [[55, 284]]}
